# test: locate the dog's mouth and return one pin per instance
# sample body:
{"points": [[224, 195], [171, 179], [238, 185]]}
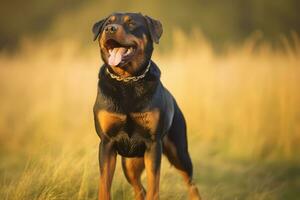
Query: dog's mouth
{"points": [[119, 54]]}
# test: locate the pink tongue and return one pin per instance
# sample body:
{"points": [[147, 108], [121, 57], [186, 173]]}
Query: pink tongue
{"points": [[116, 56]]}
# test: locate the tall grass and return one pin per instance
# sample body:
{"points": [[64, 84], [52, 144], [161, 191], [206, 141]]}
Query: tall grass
{"points": [[242, 108], [247, 99]]}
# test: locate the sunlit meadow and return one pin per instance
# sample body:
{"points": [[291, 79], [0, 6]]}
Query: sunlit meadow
{"points": [[242, 108]]}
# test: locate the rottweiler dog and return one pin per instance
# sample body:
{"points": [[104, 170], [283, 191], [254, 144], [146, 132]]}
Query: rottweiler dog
{"points": [[135, 115]]}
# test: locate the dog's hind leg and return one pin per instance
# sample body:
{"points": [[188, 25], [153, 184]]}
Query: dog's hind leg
{"points": [[133, 168], [175, 147]]}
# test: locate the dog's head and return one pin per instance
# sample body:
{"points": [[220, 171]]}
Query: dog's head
{"points": [[126, 41]]}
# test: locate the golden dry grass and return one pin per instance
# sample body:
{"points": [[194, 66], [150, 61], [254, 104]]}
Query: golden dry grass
{"points": [[242, 108]]}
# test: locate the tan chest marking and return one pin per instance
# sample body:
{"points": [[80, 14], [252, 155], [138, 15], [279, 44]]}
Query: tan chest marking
{"points": [[108, 119], [147, 120]]}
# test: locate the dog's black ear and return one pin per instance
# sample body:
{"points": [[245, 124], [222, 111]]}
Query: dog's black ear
{"points": [[97, 28], [155, 28]]}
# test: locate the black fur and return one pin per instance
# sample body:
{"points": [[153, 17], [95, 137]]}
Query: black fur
{"points": [[130, 97]]}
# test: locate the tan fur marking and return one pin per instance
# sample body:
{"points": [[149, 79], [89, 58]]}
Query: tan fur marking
{"points": [[108, 119], [133, 168], [172, 154], [148, 120], [106, 172], [112, 18], [126, 18], [152, 180]]}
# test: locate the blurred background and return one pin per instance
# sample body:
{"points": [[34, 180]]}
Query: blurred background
{"points": [[222, 22], [233, 66]]}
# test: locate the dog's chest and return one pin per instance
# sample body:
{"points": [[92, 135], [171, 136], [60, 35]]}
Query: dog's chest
{"points": [[130, 132], [111, 123]]}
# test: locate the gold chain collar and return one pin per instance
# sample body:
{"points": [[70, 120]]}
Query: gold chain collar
{"points": [[130, 78]]}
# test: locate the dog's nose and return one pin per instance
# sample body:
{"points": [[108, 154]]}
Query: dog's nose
{"points": [[111, 28]]}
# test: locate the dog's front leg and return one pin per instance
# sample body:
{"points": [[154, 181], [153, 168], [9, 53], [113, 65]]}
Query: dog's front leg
{"points": [[152, 165], [107, 162]]}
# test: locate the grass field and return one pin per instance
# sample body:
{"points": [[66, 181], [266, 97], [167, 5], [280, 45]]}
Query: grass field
{"points": [[242, 108]]}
